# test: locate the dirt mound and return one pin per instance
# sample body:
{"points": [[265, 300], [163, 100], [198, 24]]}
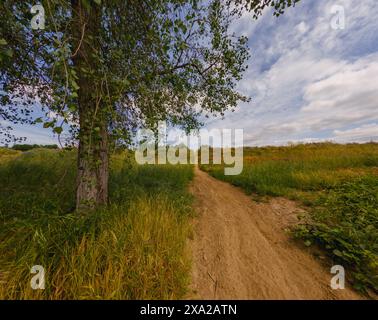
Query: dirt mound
{"points": [[241, 251]]}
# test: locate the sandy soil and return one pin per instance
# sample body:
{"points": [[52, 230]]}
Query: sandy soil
{"points": [[241, 250]]}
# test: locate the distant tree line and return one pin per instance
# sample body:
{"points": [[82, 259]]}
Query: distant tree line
{"points": [[27, 147]]}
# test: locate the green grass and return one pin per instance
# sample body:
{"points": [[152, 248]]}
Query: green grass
{"points": [[339, 186], [133, 249]]}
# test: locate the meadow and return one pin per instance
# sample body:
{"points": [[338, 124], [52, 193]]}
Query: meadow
{"points": [[136, 247], [133, 249], [338, 187]]}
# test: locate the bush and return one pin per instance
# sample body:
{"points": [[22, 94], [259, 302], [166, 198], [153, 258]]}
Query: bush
{"points": [[345, 223]]}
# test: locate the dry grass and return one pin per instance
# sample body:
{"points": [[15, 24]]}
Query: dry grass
{"points": [[135, 249]]}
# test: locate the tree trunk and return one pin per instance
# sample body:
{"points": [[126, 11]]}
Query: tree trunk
{"points": [[93, 167], [93, 162]]}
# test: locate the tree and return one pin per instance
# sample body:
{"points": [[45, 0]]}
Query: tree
{"points": [[100, 69]]}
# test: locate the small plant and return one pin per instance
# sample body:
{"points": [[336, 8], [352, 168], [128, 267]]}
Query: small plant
{"points": [[346, 225]]}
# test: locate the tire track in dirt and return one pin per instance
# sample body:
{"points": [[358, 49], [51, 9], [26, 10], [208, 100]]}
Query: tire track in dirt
{"points": [[241, 251]]}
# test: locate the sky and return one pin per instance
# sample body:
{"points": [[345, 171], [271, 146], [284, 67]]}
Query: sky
{"points": [[310, 78]]}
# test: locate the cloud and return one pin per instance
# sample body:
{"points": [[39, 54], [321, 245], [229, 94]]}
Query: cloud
{"points": [[306, 79], [365, 131], [33, 134], [302, 27], [346, 97]]}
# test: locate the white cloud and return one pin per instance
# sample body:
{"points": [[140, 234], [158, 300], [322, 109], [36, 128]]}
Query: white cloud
{"points": [[346, 97], [35, 135], [365, 131], [302, 27], [306, 79]]}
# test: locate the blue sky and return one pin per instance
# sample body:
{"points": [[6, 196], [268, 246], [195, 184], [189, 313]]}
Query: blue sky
{"points": [[308, 81]]}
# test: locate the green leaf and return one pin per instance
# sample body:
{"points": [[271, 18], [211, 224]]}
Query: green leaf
{"points": [[74, 84], [72, 107], [9, 52], [86, 5], [48, 124], [58, 130], [3, 42], [307, 243]]}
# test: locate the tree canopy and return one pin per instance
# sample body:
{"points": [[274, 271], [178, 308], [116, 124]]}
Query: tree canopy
{"points": [[100, 69], [148, 60]]}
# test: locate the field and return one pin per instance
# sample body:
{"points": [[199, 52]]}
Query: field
{"points": [[338, 186], [134, 249]]}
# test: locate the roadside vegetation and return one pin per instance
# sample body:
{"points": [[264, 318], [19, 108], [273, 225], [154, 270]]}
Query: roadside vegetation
{"points": [[339, 186], [132, 249]]}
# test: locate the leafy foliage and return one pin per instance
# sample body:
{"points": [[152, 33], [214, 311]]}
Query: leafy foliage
{"points": [[346, 225], [147, 60]]}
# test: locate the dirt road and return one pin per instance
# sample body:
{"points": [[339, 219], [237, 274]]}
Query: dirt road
{"points": [[241, 251]]}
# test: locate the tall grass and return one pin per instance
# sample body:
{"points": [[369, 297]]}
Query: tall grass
{"points": [[133, 249], [8, 154], [290, 171], [338, 183]]}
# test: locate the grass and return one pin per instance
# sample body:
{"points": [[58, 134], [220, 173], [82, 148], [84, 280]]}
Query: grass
{"points": [[8, 154], [133, 249], [338, 184]]}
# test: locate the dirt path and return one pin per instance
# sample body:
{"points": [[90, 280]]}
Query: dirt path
{"points": [[241, 251]]}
